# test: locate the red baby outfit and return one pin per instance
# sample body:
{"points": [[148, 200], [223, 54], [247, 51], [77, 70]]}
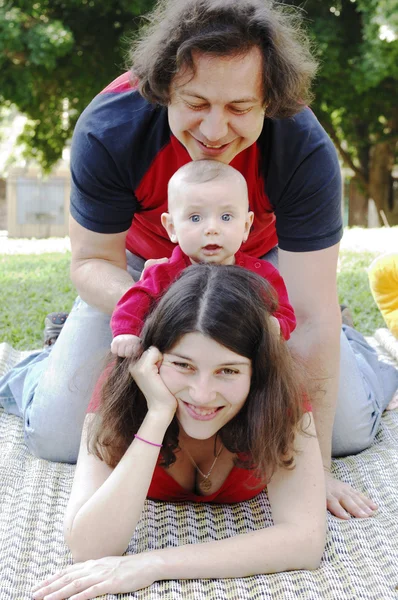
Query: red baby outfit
{"points": [[131, 310]]}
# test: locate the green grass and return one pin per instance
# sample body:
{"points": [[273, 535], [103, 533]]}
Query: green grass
{"points": [[354, 291], [33, 285], [30, 287]]}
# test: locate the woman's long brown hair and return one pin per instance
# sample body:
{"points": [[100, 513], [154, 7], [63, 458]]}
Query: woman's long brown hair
{"points": [[231, 306]]}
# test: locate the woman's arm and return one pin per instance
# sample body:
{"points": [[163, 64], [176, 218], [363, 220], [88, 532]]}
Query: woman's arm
{"points": [[296, 541], [105, 503]]}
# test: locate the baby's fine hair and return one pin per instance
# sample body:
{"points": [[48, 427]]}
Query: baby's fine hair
{"points": [[203, 171]]}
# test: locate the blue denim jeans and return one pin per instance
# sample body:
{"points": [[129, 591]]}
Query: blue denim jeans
{"points": [[51, 389]]}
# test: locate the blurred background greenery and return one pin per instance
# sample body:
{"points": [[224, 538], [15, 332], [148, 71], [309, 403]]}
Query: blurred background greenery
{"points": [[56, 55]]}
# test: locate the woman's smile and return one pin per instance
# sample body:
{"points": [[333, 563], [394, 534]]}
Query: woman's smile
{"points": [[201, 413], [210, 382]]}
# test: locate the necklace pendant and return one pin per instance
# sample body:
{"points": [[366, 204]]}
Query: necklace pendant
{"points": [[205, 485]]}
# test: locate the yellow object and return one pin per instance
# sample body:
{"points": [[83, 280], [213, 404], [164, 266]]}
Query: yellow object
{"points": [[383, 278]]}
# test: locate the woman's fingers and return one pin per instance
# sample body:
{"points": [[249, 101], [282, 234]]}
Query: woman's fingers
{"points": [[148, 360], [64, 584], [146, 375], [82, 581], [79, 589], [57, 576], [146, 365], [343, 501], [93, 578], [334, 506]]}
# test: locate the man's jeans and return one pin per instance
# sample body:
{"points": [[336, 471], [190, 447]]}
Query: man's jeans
{"points": [[51, 389]]}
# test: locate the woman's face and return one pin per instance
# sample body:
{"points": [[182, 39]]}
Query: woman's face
{"points": [[219, 111], [210, 382]]}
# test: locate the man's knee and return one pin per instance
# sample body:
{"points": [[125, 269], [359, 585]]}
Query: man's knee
{"points": [[53, 445], [349, 440], [349, 447]]}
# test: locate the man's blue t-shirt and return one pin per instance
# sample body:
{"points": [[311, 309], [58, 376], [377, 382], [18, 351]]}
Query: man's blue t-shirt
{"points": [[123, 155]]}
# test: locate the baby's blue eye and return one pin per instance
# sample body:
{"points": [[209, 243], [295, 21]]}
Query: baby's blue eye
{"points": [[195, 218], [226, 217]]}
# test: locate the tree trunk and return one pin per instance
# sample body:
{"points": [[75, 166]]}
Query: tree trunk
{"points": [[381, 182], [358, 205]]}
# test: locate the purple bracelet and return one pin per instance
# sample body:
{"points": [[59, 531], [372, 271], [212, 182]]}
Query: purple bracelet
{"points": [[147, 442]]}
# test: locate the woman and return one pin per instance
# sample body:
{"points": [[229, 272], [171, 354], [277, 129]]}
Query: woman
{"points": [[212, 397]]}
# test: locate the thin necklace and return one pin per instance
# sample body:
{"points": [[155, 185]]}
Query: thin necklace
{"points": [[206, 483]]}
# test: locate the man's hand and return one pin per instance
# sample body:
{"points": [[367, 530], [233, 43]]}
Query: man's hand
{"points": [[152, 261], [343, 501], [126, 345]]}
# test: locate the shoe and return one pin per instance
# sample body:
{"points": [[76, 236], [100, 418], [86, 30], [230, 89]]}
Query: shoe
{"points": [[53, 324], [346, 316]]}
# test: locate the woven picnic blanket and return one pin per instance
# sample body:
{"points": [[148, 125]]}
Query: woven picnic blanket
{"points": [[360, 560]]}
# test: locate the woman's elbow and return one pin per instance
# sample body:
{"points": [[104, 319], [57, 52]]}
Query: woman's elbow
{"points": [[311, 550], [313, 562], [307, 545], [74, 544], [82, 554], [75, 550], [83, 550]]}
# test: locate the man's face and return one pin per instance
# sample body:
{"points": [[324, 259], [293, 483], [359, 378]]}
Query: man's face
{"points": [[220, 111]]}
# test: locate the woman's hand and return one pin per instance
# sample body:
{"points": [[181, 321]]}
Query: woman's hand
{"points": [[146, 375], [110, 575], [343, 501]]}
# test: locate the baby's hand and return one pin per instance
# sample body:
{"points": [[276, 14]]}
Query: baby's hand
{"points": [[125, 345], [275, 325]]}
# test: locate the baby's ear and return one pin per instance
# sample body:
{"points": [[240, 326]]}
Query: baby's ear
{"points": [[275, 325], [248, 224], [167, 221]]}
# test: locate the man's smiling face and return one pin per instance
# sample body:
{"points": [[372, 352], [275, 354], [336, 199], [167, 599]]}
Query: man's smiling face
{"points": [[219, 111]]}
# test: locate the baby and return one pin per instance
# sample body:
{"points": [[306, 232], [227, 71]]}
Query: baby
{"points": [[209, 219]]}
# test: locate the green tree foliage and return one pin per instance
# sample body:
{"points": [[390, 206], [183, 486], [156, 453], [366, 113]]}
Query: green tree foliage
{"points": [[356, 89], [55, 55]]}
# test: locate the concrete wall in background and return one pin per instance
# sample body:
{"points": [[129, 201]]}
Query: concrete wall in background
{"points": [[38, 207], [3, 205]]}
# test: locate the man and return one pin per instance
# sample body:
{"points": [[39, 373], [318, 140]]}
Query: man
{"points": [[229, 81]]}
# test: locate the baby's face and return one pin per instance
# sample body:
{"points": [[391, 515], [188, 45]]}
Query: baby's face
{"points": [[209, 220]]}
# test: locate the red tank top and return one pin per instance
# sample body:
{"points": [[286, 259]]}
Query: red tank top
{"points": [[240, 485]]}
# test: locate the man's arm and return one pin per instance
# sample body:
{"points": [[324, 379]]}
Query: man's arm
{"points": [[98, 266], [310, 279]]}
